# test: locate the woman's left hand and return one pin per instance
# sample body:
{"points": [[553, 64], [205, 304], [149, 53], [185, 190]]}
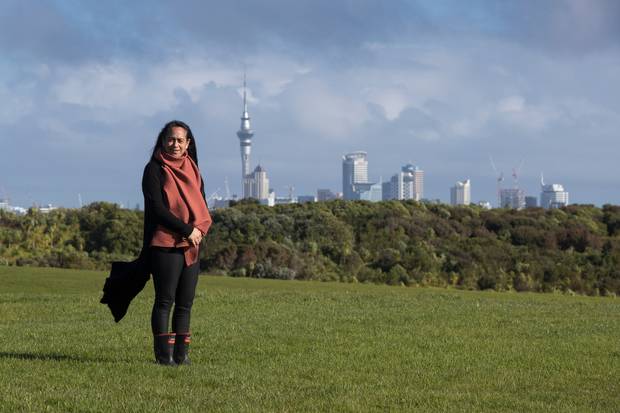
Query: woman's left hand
{"points": [[195, 237]]}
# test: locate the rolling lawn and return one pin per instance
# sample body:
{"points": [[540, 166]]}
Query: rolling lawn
{"points": [[265, 345]]}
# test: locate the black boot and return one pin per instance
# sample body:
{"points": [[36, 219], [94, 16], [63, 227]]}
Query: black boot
{"points": [[181, 347], [163, 348]]}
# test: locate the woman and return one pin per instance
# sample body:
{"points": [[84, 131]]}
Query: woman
{"points": [[176, 218]]}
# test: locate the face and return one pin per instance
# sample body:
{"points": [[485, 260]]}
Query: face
{"points": [[177, 143]]}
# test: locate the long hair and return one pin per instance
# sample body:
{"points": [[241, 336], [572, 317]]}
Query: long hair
{"points": [[167, 130]]}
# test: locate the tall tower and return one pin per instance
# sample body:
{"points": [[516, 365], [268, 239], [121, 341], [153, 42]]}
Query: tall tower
{"points": [[245, 134]]}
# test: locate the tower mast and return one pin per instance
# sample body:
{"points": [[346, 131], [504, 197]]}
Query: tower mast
{"points": [[245, 134]]}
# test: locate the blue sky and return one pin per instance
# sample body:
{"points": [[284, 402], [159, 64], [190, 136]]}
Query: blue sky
{"points": [[86, 86]]}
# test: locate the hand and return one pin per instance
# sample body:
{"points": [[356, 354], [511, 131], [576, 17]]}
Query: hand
{"points": [[195, 237]]}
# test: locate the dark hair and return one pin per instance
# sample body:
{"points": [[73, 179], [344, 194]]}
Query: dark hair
{"points": [[167, 131]]}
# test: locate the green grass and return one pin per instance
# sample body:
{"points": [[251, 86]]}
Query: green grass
{"points": [[262, 345]]}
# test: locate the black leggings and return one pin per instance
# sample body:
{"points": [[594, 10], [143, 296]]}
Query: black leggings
{"points": [[174, 284]]}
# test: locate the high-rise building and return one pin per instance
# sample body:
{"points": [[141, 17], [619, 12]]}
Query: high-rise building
{"points": [[245, 134], [373, 193], [460, 193], [531, 202], [552, 195], [386, 190], [325, 195], [407, 184], [354, 173], [512, 198], [259, 183], [418, 182]]}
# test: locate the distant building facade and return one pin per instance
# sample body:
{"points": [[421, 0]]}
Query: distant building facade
{"points": [[5, 205], [256, 184], [219, 203], [304, 199], [552, 195], [460, 193], [260, 183], [531, 202], [407, 184], [512, 198], [372, 193], [354, 174], [325, 195]]}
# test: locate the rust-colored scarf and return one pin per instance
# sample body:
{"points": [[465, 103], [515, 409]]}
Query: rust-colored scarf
{"points": [[182, 190]]}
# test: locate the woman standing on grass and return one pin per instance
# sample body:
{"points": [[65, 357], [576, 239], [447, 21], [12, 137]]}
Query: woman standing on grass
{"points": [[176, 218]]}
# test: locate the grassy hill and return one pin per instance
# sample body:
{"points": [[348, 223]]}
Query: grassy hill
{"points": [[267, 345]]}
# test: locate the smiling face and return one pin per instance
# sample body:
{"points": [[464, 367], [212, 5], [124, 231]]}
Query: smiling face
{"points": [[177, 143]]}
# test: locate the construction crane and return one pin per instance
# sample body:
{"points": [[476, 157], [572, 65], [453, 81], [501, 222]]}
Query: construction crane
{"points": [[290, 189], [500, 179], [515, 175], [227, 187], [213, 195]]}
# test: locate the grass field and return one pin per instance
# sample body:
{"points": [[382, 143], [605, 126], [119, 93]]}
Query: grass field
{"points": [[261, 345]]}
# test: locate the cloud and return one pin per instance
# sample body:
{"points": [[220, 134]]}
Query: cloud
{"points": [[573, 27], [442, 84]]}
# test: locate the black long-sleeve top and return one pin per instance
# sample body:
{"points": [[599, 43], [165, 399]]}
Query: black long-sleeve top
{"points": [[156, 211]]}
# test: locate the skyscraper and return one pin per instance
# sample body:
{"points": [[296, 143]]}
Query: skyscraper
{"points": [[512, 198], [460, 193], [407, 184], [552, 195], [354, 172], [260, 184], [245, 134]]}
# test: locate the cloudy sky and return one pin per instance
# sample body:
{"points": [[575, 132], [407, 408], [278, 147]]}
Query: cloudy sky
{"points": [[85, 86]]}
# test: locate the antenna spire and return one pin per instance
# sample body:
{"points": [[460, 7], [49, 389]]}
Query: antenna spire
{"points": [[245, 102]]}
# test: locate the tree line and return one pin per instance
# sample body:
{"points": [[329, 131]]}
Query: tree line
{"points": [[571, 249]]}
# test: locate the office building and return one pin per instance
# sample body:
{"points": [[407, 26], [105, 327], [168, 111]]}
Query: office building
{"points": [[407, 184], [512, 198], [259, 183], [372, 192], [531, 202], [460, 193], [354, 174], [325, 195], [552, 195]]}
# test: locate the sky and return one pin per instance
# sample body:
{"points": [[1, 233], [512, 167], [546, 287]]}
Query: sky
{"points": [[86, 87]]}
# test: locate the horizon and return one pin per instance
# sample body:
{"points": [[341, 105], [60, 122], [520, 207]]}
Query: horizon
{"points": [[87, 87]]}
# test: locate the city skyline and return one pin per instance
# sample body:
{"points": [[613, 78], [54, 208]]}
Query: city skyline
{"points": [[87, 88]]}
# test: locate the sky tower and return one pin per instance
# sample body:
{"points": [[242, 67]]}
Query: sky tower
{"points": [[245, 134]]}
